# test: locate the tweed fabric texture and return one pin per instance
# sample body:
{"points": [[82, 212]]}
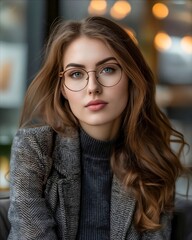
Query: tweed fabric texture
{"points": [[45, 189]]}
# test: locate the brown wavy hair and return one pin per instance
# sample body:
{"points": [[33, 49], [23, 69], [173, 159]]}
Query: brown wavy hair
{"points": [[143, 159]]}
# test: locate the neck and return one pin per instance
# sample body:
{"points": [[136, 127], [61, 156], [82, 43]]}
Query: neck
{"points": [[102, 132]]}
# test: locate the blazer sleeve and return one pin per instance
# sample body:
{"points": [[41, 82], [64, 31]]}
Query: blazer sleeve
{"points": [[162, 234], [30, 165]]}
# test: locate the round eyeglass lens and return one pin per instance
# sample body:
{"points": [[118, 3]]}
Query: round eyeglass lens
{"points": [[109, 74]]}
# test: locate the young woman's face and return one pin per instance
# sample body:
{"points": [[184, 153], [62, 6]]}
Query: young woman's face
{"points": [[95, 105]]}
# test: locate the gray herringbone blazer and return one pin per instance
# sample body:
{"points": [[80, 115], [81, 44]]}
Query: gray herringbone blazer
{"points": [[45, 191]]}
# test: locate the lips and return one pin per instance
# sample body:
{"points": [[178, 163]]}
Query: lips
{"points": [[96, 102], [96, 105]]}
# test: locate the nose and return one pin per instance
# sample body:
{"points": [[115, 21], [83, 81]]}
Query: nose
{"points": [[93, 86]]}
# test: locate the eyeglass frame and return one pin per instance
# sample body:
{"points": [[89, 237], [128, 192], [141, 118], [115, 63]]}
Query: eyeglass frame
{"points": [[61, 75]]}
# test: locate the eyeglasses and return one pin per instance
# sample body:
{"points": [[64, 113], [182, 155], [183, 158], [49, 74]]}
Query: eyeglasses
{"points": [[107, 75]]}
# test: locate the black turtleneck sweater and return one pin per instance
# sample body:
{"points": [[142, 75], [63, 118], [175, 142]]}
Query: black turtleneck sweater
{"points": [[94, 222]]}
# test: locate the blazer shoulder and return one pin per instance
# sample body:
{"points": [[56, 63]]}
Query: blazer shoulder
{"points": [[36, 131], [41, 137], [44, 138]]}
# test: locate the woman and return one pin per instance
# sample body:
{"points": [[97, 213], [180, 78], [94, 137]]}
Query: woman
{"points": [[92, 159]]}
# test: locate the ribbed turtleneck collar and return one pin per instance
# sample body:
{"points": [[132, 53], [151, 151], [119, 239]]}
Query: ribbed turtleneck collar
{"points": [[93, 147]]}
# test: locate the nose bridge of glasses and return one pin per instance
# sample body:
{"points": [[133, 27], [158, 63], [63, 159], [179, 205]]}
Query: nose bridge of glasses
{"points": [[92, 71]]}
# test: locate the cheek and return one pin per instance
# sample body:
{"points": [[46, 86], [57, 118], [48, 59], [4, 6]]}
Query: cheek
{"points": [[64, 92], [123, 99], [122, 92], [67, 94], [122, 96], [73, 98]]}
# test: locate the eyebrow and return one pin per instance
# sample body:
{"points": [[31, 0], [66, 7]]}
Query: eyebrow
{"points": [[97, 64]]}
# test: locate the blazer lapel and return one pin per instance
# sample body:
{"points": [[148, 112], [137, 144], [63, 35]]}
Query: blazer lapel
{"points": [[67, 154], [122, 210], [67, 163]]}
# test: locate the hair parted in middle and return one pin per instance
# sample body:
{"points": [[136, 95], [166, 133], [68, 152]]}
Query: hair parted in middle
{"points": [[143, 161]]}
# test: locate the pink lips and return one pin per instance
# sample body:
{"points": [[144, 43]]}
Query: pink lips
{"points": [[96, 105]]}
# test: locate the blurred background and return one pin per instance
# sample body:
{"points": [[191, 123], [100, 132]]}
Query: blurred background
{"points": [[162, 30]]}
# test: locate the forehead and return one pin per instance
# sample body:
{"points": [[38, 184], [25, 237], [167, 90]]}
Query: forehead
{"points": [[86, 51]]}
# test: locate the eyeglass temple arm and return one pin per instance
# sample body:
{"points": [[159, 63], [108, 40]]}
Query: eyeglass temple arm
{"points": [[61, 74]]}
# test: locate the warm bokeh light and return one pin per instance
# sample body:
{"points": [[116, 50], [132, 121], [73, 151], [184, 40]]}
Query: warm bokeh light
{"points": [[162, 41], [186, 44], [132, 34], [4, 169], [120, 9], [97, 7], [160, 10]]}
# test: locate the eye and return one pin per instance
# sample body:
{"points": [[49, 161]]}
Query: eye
{"points": [[75, 74], [108, 70]]}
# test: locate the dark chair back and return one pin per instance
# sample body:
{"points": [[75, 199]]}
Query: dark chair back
{"points": [[4, 223], [182, 220]]}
